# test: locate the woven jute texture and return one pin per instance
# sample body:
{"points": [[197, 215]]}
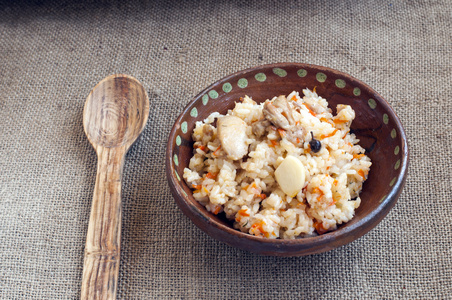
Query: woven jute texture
{"points": [[53, 53]]}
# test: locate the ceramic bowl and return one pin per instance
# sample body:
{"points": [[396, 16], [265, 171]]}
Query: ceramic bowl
{"points": [[376, 125]]}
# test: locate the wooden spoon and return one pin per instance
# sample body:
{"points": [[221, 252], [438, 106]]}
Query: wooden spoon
{"points": [[115, 114]]}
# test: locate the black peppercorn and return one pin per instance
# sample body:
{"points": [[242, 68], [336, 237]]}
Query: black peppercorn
{"points": [[315, 144]]}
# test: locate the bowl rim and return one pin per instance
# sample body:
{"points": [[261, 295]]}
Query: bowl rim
{"points": [[373, 218]]}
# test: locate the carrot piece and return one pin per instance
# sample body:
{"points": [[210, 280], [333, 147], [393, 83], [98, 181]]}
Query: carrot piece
{"points": [[335, 182], [262, 196], [310, 111], [329, 135], [258, 227], [205, 190], [273, 143], [319, 227], [201, 147], [216, 151], [282, 132], [217, 210], [339, 121], [197, 186], [243, 213], [316, 190], [314, 89], [323, 119], [362, 173], [211, 175], [294, 98], [356, 156]]}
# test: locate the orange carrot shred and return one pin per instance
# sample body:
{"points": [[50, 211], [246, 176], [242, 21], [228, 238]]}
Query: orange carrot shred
{"points": [[361, 173], [262, 196], [282, 132], [356, 156], [339, 121], [294, 98], [215, 152], [310, 111], [329, 135], [319, 227], [243, 213], [273, 143], [197, 186], [211, 175], [323, 119], [217, 210]]}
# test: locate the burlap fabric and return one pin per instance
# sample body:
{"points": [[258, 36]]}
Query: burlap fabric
{"points": [[53, 53]]}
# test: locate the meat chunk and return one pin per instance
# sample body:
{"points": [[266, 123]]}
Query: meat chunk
{"points": [[259, 127], [282, 103], [232, 135], [279, 113]]}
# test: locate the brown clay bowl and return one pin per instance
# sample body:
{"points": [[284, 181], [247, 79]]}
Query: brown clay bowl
{"points": [[376, 125]]}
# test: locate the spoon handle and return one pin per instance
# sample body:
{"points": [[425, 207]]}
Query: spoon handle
{"points": [[102, 250]]}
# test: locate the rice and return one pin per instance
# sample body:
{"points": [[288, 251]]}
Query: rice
{"points": [[245, 187]]}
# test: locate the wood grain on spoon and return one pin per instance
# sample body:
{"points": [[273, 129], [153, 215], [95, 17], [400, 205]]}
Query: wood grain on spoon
{"points": [[115, 114]]}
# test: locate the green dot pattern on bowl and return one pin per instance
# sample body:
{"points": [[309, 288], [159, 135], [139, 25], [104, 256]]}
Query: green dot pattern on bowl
{"points": [[178, 140], [280, 72], [393, 133], [393, 181], [213, 94], [184, 127], [356, 91], [320, 77], [242, 83], [372, 103], [227, 87], [302, 72], [340, 83], [177, 176], [397, 165], [205, 99], [396, 150], [260, 77], [385, 119], [383, 198], [176, 160], [194, 112]]}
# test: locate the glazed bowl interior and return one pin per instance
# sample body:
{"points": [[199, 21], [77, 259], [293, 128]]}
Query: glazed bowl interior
{"points": [[376, 125]]}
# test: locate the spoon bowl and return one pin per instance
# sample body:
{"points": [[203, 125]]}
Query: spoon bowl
{"points": [[115, 113]]}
